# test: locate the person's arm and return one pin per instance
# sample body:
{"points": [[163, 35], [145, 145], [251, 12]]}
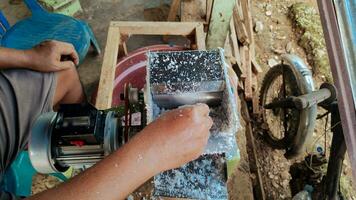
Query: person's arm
{"points": [[174, 139], [45, 57], [13, 58]]}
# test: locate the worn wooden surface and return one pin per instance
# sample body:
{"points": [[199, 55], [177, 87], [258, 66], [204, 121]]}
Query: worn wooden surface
{"points": [[243, 62], [253, 157], [209, 6], [255, 95], [106, 83], [242, 21], [247, 19], [155, 28], [234, 44], [219, 23], [248, 73], [200, 37], [256, 68], [246, 10], [240, 28]]}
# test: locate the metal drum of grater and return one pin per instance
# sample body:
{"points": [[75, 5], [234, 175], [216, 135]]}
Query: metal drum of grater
{"points": [[187, 77]]}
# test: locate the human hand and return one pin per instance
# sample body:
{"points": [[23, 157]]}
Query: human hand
{"points": [[179, 136], [46, 56]]}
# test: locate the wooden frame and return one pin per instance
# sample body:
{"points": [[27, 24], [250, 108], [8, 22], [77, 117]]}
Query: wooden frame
{"points": [[120, 31]]}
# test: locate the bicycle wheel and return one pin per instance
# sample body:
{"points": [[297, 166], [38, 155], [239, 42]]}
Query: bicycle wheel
{"points": [[280, 124]]}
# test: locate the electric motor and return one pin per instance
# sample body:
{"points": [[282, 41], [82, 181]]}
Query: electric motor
{"points": [[77, 135]]}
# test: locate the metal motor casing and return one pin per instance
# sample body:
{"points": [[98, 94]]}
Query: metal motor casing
{"points": [[49, 156]]}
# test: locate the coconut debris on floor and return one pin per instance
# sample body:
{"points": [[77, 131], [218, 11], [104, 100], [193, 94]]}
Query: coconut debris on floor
{"points": [[41, 182]]}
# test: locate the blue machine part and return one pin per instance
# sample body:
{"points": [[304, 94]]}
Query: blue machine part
{"points": [[18, 178], [42, 26]]}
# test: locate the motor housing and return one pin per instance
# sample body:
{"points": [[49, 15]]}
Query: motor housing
{"points": [[76, 135]]}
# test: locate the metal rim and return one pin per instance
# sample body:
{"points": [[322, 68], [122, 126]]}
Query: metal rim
{"points": [[40, 143], [111, 133], [305, 130]]}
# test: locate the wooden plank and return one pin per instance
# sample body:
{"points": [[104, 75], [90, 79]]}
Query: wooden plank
{"points": [[193, 11], [156, 28], [209, 7], [238, 66], [239, 9], [219, 23], [254, 83], [243, 64], [240, 28], [256, 68], [250, 53], [106, 83], [246, 11], [248, 80], [173, 11], [247, 20], [252, 153], [200, 37], [255, 97], [234, 44], [241, 85]]}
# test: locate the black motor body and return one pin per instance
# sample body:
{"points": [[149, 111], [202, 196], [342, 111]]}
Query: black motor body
{"points": [[76, 135]]}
